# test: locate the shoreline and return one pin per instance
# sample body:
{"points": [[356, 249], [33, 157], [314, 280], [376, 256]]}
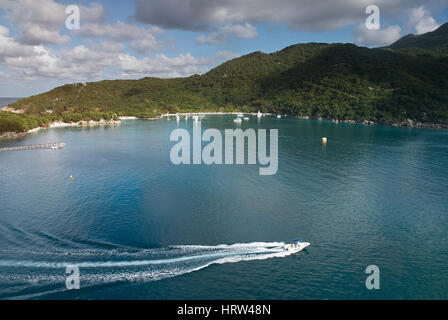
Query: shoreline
{"points": [[210, 113], [84, 123], [60, 124], [408, 123]]}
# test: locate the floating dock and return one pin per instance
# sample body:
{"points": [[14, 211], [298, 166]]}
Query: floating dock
{"points": [[55, 145]]}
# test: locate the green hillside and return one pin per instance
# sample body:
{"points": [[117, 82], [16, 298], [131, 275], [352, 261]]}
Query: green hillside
{"points": [[436, 41], [336, 81]]}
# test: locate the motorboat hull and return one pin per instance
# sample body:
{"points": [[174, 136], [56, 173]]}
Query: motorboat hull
{"points": [[297, 248]]}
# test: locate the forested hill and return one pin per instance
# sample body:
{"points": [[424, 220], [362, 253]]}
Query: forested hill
{"points": [[436, 41], [338, 81]]}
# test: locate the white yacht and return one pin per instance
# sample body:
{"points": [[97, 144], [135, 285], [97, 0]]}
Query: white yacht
{"points": [[237, 120], [279, 116], [195, 118], [259, 114], [239, 115], [297, 245]]}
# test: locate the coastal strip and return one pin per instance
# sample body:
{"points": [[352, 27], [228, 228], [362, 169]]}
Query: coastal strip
{"points": [[60, 124], [83, 123]]}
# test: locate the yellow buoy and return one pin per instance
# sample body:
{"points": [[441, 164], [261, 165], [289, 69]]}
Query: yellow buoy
{"points": [[324, 140], [71, 178]]}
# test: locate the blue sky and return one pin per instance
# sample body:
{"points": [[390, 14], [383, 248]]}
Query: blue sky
{"points": [[177, 38]]}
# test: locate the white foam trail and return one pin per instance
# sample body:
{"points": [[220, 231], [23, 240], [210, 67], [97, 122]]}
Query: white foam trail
{"points": [[187, 259], [254, 248]]}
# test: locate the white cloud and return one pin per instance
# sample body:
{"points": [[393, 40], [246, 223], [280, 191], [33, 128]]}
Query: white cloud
{"points": [[141, 39], [212, 38], [226, 55], [40, 22], [82, 63], [245, 31], [163, 66], [422, 21], [381, 37]]}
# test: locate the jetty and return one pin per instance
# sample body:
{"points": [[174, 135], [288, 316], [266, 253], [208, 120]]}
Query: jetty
{"points": [[54, 145]]}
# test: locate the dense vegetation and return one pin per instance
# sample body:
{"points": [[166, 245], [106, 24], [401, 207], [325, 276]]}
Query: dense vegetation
{"points": [[436, 41], [11, 122], [338, 81]]}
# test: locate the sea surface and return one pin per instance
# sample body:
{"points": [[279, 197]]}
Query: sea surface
{"points": [[139, 227], [5, 101]]}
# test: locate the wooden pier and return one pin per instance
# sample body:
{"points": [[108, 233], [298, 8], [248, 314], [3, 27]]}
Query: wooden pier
{"points": [[55, 145]]}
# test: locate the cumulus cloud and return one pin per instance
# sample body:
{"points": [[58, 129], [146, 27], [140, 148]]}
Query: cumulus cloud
{"points": [[212, 38], [142, 40], [244, 31], [226, 55], [381, 37], [304, 15], [33, 62], [40, 22], [423, 22], [163, 66]]}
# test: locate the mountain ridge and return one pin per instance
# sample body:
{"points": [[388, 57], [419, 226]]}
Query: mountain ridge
{"points": [[436, 41]]}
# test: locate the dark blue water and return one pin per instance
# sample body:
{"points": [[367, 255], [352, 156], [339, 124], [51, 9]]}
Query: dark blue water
{"points": [[139, 227], [5, 101]]}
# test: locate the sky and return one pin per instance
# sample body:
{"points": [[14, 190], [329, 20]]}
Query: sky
{"points": [[125, 39]]}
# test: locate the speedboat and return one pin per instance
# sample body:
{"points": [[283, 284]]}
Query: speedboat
{"points": [[239, 115], [297, 245], [246, 118], [279, 116], [259, 114], [237, 120]]}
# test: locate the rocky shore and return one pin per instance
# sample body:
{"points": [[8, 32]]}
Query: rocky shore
{"points": [[408, 123]]}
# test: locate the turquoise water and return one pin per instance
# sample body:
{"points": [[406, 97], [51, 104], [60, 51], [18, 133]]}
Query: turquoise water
{"points": [[139, 227]]}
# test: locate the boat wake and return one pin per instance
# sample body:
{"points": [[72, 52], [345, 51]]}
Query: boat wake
{"points": [[102, 266]]}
